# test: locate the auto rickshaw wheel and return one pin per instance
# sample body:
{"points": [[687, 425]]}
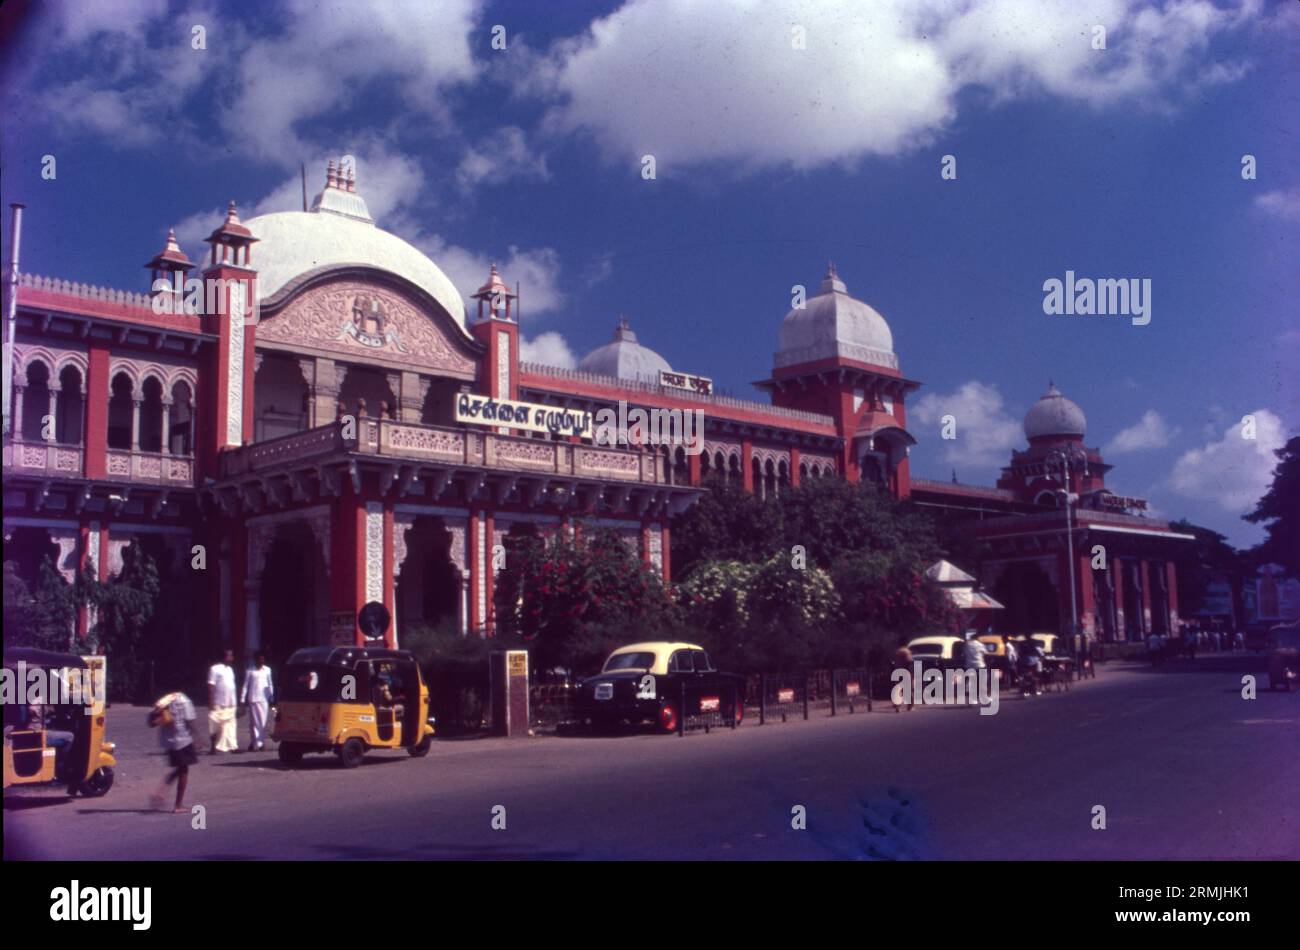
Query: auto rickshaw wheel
{"points": [[352, 752], [100, 781], [421, 748], [290, 755]]}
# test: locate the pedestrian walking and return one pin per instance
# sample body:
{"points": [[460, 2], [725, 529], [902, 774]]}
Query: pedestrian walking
{"points": [[259, 694], [172, 716], [221, 706], [1009, 651]]}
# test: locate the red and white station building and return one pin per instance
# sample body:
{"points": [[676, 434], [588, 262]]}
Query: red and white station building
{"points": [[322, 430]]}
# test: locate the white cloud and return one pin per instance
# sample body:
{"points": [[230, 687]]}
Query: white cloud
{"points": [[1149, 432], [696, 82], [985, 431], [549, 349], [504, 155], [305, 60], [537, 271], [1232, 472], [326, 52], [1281, 203]]}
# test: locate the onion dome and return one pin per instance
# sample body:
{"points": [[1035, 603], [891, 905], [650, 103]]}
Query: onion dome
{"points": [[1055, 416], [623, 357], [833, 324]]}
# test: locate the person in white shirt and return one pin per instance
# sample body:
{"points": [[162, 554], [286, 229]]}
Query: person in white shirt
{"points": [[221, 706], [259, 693], [974, 654]]}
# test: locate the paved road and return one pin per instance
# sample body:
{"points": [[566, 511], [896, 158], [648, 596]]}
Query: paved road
{"points": [[1183, 765]]}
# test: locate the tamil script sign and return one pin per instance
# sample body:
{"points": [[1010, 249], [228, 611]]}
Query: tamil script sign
{"points": [[533, 417], [696, 384]]}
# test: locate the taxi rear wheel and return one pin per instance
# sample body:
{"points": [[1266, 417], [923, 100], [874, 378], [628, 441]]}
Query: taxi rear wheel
{"points": [[352, 752], [421, 748], [667, 718]]}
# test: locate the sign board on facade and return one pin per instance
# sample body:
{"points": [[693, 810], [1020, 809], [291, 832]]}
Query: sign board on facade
{"points": [[785, 696], [696, 384], [852, 689], [343, 627], [530, 416]]}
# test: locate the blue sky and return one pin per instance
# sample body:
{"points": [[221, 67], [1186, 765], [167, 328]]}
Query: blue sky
{"points": [[1123, 162]]}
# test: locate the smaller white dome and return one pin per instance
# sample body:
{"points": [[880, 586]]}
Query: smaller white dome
{"points": [[1053, 414], [833, 324], [623, 357]]}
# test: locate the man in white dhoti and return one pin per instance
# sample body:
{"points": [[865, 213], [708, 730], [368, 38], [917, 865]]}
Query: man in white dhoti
{"points": [[259, 693], [221, 705]]}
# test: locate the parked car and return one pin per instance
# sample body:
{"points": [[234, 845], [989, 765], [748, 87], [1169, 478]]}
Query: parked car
{"points": [[1284, 655], [938, 651], [647, 682], [1050, 643]]}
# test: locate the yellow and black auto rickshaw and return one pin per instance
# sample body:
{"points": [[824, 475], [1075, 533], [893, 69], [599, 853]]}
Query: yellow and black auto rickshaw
{"points": [[54, 721], [347, 700]]}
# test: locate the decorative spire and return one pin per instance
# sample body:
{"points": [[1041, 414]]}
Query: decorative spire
{"points": [[352, 180], [495, 296], [331, 177]]}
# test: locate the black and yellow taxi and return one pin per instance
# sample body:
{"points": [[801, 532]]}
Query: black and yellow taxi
{"points": [[54, 731], [349, 700], [659, 682]]}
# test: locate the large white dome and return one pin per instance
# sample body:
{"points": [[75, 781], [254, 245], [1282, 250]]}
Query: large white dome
{"points": [[624, 358], [339, 230], [1054, 415], [833, 324]]}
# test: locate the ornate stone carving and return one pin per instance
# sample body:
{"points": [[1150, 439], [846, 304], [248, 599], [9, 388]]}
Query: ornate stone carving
{"points": [[403, 522], [503, 364], [366, 321], [456, 527], [66, 539], [531, 454], [422, 441], [235, 379], [119, 463], [617, 464], [374, 551]]}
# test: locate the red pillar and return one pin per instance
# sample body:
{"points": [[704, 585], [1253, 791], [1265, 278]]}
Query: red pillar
{"points": [[794, 468], [747, 465], [668, 573], [97, 395], [347, 566]]}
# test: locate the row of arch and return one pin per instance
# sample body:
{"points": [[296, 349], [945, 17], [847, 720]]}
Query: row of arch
{"points": [[149, 409]]}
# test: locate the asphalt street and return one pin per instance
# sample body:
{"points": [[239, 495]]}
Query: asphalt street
{"points": [[1182, 764]]}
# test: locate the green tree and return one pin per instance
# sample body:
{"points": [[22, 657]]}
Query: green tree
{"points": [[570, 598], [45, 615], [126, 603], [1213, 559], [1279, 511], [829, 517], [725, 525]]}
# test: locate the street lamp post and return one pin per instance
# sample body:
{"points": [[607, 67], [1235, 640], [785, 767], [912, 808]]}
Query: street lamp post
{"points": [[1061, 459]]}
